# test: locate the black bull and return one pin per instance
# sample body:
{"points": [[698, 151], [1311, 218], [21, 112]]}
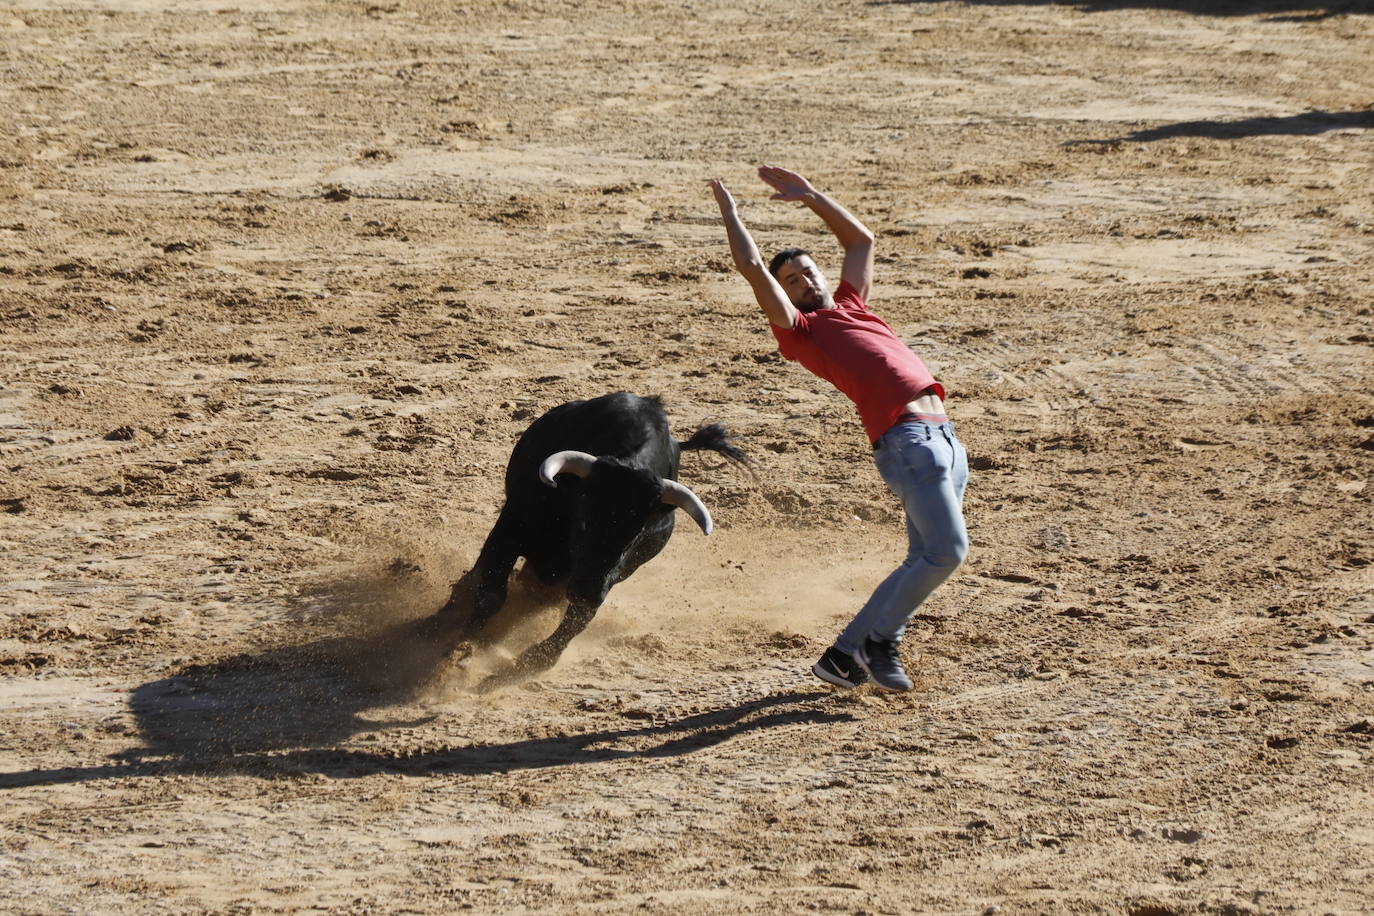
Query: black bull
{"points": [[591, 489]]}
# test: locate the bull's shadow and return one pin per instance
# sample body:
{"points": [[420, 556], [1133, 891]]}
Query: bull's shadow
{"points": [[236, 713], [661, 739], [308, 695], [288, 710], [313, 694]]}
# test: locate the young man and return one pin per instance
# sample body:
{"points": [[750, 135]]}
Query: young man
{"points": [[901, 405]]}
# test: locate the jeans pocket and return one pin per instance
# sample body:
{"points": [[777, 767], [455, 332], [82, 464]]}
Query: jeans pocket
{"points": [[915, 461], [909, 434]]}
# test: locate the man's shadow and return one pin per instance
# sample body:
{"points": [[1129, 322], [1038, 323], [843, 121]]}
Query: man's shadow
{"points": [[292, 709], [1307, 124], [1271, 10]]}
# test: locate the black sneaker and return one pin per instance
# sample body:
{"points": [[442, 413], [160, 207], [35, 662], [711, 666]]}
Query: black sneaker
{"points": [[839, 669], [882, 661]]}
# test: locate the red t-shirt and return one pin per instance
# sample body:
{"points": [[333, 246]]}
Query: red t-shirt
{"points": [[859, 353]]}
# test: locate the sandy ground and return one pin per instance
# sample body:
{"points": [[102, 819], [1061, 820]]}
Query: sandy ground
{"points": [[280, 283]]}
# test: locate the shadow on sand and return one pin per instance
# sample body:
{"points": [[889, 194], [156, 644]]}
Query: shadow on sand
{"points": [[1307, 124], [286, 711], [1274, 10]]}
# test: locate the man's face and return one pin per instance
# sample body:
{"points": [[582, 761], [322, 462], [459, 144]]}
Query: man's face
{"points": [[804, 284]]}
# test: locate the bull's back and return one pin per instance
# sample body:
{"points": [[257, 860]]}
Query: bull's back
{"points": [[621, 425]]}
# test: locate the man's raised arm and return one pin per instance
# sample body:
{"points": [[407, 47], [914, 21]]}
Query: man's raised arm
{"points": [[853, 236], [749, 263]]}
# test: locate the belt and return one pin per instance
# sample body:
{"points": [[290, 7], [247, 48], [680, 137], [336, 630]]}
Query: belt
{"points": [[936, 418]]}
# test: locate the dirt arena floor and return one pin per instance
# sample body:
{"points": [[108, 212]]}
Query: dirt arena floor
{"points": [[281, 282]]}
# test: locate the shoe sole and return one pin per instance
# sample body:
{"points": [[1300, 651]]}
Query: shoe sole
{"points": [[833, 678]]}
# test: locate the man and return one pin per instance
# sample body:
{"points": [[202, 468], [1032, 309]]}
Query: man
{"points": [[901, 405]]}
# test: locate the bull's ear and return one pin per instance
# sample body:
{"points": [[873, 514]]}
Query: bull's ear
{"points": [[579, 463], [675, 494]]}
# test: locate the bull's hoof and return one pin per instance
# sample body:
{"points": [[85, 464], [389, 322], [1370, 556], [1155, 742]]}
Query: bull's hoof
{"points": [[501, 679], [518, 670], [461, 652], [494, 682]]}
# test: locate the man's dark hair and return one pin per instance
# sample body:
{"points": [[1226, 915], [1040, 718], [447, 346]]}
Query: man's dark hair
{"points": [[782, 257]]}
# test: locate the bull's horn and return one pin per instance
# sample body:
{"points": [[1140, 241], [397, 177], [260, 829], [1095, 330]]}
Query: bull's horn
{"points": [[675, 494], [579, 463]]}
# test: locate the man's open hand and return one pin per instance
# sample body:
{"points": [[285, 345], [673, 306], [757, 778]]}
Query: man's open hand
{"points": [[724, 200], [788, 184]]}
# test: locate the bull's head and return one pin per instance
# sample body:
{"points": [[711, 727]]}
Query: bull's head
{"points": [[674, 493]]}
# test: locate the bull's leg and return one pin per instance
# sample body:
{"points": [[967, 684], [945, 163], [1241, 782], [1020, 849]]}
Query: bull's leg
{"points": [[545, 654], [481, 592], [495, 563], [586, 593], [461, 597], [649, 545]]}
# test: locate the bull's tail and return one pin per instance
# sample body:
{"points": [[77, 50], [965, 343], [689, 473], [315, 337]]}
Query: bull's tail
{"points": [[715, 437]]}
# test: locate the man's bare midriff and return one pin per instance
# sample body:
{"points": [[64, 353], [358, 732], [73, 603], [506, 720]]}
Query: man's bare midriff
{"points": [[927, 403]]}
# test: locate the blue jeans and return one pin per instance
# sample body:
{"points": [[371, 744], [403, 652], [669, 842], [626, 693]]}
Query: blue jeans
{"points": [[927, 467]]}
